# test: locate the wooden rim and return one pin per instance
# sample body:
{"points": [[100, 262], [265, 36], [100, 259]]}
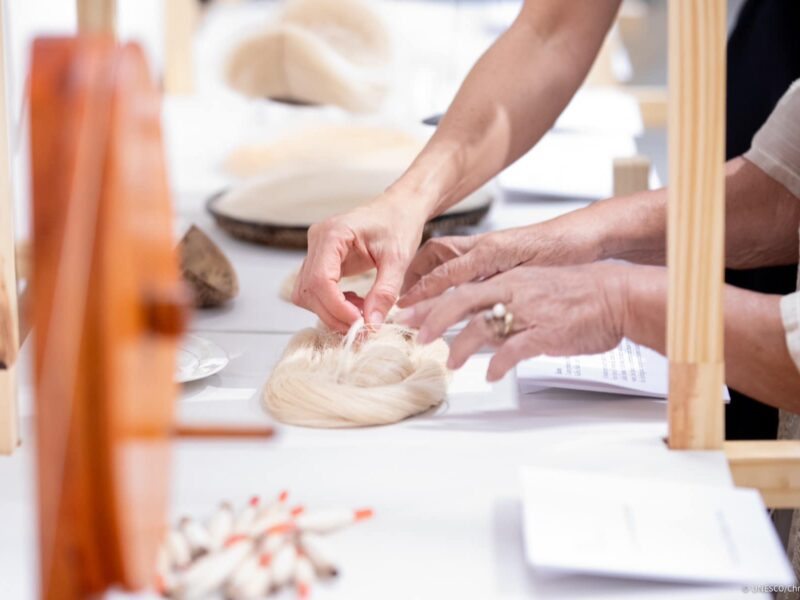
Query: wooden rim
{"points": [[296, 237]]}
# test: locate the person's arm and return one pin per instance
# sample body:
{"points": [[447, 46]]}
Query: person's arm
{"points": [[757, 358], [761, 223], [508, 101], [510, 98]]}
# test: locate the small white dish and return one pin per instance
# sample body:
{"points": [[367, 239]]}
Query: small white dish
{"points": [[198, 358]]}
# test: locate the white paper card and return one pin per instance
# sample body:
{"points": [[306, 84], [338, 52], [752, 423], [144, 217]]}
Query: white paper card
{"points": [[581, 522], [629, 369], [549, 168]]}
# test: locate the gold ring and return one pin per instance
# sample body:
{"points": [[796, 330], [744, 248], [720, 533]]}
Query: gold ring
{"points": [[501, 319]]}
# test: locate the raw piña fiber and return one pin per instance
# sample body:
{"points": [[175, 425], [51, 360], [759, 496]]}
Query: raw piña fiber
{"points": [[368, 377]]}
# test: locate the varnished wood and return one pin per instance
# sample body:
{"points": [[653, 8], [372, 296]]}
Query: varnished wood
{"points": [[9, 318], [772, 467], [8, 350], [212, 431], [180, 19], [25, 320], [653, 104], [23, 259], [98, 17], [103, 376], [697, 33]]}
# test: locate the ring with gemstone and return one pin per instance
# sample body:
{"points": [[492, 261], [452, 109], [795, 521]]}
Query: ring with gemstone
{"points": [[500, 318]]}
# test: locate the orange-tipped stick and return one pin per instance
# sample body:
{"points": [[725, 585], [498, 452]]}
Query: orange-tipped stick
{"points": [[220, 525], [196, 535], [303, 576], [281, 528], [235, 539], [178, 551], [244, 520], [364, 513], [209, 572], [282, 566], [314, 548], [256, 586], [270, 545], [330, 520]]}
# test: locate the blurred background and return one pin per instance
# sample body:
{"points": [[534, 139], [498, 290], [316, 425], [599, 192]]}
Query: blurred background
{"points": [[433, 45]]}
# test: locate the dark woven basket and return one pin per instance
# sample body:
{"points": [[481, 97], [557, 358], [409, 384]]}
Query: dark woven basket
{"points": [[296, 237]]}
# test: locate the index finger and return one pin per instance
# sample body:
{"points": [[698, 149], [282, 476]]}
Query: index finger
{"points": [[433, 253], [463, 301], [317, 289]]}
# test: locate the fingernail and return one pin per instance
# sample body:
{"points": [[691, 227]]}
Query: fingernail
{"points": [[375, 318], [402, 301], [493, 376]]}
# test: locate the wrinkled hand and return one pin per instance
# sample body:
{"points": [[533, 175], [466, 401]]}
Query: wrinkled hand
{"points": [[559, 311], [377, 235], [450, 261]]}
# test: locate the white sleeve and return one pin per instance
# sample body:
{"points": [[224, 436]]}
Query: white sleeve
{"points": [[776, 146]]}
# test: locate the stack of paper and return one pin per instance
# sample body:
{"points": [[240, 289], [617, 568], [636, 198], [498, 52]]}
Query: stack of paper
{"points": [[580, 522], [627, 369]]}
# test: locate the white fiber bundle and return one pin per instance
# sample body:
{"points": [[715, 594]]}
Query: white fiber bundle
{"points": [[320, 52], [325, 379]]}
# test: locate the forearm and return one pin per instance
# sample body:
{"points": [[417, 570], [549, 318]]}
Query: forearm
{"points": [[757, 359], [509, 100], [761, 222], [762, 218]]}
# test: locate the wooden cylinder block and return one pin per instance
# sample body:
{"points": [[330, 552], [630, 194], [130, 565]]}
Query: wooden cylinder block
{"points": [[98, 17], [631, 175]]}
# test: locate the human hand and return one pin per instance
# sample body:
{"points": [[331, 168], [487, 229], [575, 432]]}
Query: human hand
{"points": [[378, 235], [559, 311], [446, 262]]}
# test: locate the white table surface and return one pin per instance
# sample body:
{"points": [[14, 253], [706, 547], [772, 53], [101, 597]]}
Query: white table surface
{"points": [[444, 485]]}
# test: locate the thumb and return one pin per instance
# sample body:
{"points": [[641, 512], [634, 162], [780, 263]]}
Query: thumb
{"points": [[384, 292]]}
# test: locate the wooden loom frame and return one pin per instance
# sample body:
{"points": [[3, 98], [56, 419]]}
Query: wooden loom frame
{"points": [[697, 36], [9, 413], [180, 19], [94, 17]]}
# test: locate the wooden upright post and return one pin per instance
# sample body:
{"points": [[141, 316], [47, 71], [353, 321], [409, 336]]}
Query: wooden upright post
{"points": [[9, 419], [180, 19], [696, 222], [98, 16], [631, 175]]}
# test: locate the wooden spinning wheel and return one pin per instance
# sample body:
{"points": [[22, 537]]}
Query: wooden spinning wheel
{"points": [[108, 309]]}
